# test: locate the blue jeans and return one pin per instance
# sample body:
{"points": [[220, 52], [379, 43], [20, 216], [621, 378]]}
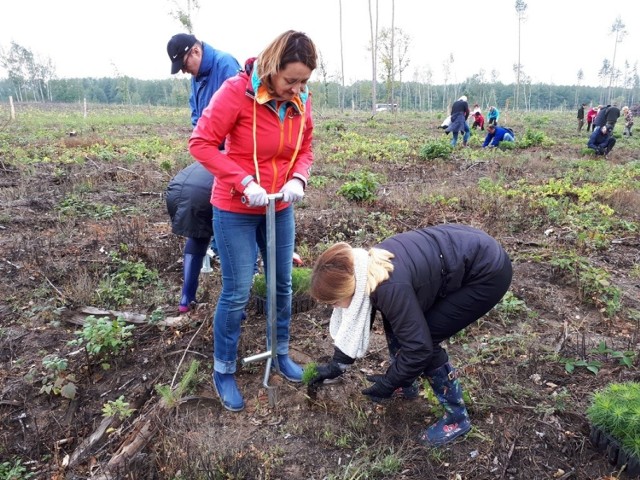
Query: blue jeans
{"points": [[465, 138], [236, 237], [213, 246]]}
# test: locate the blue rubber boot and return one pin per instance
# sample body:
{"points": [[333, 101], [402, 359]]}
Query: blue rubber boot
{"points": [[289, 369], [227, 390], [191, 272], [455, 422]]}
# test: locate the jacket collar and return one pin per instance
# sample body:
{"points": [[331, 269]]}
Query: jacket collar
{"points": [[263, 96], [206, 64]]}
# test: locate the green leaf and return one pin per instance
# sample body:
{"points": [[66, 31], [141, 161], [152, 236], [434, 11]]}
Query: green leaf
{"points": [[68, 391]]}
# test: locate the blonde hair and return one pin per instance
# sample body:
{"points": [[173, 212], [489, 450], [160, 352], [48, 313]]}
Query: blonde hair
{"points": [[333, 276], [286, 48]]}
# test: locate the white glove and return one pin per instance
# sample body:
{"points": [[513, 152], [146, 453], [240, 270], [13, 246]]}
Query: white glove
{"points": [[256, 195], [292, 191]]}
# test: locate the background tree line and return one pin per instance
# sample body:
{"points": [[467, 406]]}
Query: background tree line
{"points": [[31, 79], [410, 95]]}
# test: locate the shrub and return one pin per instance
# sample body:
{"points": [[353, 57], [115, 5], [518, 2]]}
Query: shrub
{"points": [[362, 189], [433, 150], [103, 336], [117, 408], [56, 380], [119, 287], [532, 138]]}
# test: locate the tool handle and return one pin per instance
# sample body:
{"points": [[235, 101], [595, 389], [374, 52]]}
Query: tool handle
{"points": [[271, 196]]}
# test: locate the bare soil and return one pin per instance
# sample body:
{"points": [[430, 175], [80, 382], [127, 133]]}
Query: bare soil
{"points": [[528, 412]]}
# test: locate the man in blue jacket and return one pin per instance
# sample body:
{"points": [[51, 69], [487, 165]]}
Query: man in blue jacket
{"points": [[208, 67], [497, 134], [601, 141], [189, 192]]}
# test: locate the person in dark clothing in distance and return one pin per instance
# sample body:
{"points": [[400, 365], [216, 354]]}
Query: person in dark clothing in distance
{"points": [[581, 117], [428, 285], [613, 114], [459, 115], [601, 141], [601, 117]]}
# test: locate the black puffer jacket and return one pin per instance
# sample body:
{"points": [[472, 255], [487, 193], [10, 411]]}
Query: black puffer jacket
{"points": [[613, 114], [429, 263], [189, 202], [601, 117]]}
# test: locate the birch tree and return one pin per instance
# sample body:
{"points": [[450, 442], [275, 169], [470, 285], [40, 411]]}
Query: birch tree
{"points": [[618, 29], [521, 7], [580, 77], [374, 54], [183, 12], [342, 90]]}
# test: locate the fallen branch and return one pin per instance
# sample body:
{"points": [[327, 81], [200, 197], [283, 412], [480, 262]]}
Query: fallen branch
{"points": [[78, 318], [147, 425]]}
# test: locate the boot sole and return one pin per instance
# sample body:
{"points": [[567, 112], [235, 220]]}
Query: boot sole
{"points": [[450, 439]]}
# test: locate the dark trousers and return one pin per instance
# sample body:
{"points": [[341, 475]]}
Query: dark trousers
{"points": [[458, 310], [461, 308]]}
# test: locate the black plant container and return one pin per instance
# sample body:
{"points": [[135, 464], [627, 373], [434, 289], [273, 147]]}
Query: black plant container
{"points": [[615, 453], [299, 303]]}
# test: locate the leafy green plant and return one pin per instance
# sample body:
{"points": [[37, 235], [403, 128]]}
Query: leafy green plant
{"points": [[594, 283], [625, 358], [117, 408], [14, 470], [318, 181], [56, 380], [570, 365], [361, 189], [616, 410], [436, 149], [533, 138], [335, 125], [510, 305], [117, 288], [103, 336], [156, 316]]}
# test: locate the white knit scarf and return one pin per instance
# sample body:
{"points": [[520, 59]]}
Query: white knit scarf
{"points": [[350, 327]]}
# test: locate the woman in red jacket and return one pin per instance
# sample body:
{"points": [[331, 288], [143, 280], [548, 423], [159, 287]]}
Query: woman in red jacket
{"points": [[264, 113]]}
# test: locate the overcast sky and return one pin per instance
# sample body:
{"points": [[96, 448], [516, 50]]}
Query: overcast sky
{"points": [[86, 38]]}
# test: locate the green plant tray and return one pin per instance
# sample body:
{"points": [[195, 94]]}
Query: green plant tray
{"points": [[616, 455], [299, 304]]}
